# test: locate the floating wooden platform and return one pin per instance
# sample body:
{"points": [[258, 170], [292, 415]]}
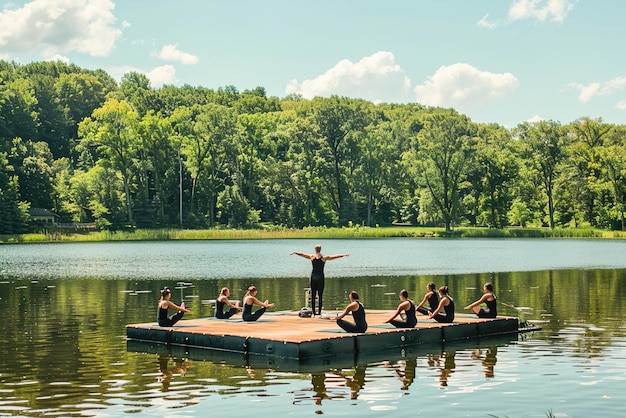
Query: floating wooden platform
{"points": [[285, 336]]}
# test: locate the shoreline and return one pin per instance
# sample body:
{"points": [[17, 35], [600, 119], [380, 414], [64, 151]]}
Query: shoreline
{"points": [[308, 233]]}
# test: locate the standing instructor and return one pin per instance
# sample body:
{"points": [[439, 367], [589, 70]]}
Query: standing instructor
{"points": [[317, 274]]}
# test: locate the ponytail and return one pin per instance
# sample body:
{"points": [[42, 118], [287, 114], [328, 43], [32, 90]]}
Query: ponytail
{"points": [[250, 290]]}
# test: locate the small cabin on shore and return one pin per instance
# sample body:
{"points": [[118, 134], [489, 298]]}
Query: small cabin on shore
{"points": [[45, 217]]}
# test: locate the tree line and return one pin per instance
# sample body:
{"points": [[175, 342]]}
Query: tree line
{"points": [[127, 155]]}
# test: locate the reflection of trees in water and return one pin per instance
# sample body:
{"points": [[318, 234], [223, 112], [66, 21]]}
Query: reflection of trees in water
{"points": [[59, 339], [446, 362], [342, 384], [332, 385]]}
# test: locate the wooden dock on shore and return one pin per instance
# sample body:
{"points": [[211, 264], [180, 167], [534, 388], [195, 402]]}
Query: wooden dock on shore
{"points": [[284, 337]]}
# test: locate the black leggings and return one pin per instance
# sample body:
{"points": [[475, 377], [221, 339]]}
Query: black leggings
{"points": [[317, 288], [483, 314], [253, 316], [402, 324], [351, 326], [424, 311], [443, 318], [225, 315], [168, 322]]}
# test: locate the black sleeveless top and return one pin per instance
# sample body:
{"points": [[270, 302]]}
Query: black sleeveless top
{"points": [[433, 300], [162, 315], [318, 268], [411, 318], [219, 309], [492, 307], [359, 318], [449, 310], [247, 310]]}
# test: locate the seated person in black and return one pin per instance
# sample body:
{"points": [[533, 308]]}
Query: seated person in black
{"points": [[430, 297], [358, 313], [222, 301], [164, 305], [489, 299], [446, 304], [408, 308], [250, 299]]}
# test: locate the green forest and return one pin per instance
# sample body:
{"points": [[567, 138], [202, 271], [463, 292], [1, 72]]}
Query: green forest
{"points": [[126, 155]]}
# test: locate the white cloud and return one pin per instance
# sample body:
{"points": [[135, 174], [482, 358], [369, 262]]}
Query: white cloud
{"points": [[586, 92], [172, 53], [621, 105], [55, 26], [463, 87], [57, 57], [542, 10], [165, 74], [589, 91], [158, 76], [485, 23], [534, 119], [118, 72], [376, 78]]}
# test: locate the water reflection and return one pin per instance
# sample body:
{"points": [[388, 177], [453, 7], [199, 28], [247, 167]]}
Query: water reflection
{"points": [[337, 377], [331, 380], [178, 368], [444, 363], [334, 385], [488, 359], [63, 351], [404, 370]]}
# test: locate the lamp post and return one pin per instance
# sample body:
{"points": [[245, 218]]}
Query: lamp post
{"points": [[180, 188]]}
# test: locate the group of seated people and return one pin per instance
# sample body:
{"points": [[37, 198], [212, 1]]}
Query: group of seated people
{"points": [[249, 300], [221, 303], [441, 308]]}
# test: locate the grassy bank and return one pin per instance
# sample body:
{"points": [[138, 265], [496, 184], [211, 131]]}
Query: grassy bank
{"points": [[309, 232]]}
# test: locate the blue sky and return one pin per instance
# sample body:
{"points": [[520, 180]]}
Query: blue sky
{"points": [[496, 61]]}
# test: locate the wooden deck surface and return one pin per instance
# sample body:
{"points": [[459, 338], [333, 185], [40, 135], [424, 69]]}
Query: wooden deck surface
{"points": [[287, 326], [283, 340]]}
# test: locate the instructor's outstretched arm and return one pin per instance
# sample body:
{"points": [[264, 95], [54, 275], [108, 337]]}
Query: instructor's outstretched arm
{"points": [[332, 257], [303, 255]]}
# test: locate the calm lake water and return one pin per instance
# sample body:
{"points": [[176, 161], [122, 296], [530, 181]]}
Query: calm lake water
{"points": [[65, 307]]}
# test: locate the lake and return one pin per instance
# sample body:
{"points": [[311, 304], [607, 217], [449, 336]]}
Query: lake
{"points": [[65, 307]]}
